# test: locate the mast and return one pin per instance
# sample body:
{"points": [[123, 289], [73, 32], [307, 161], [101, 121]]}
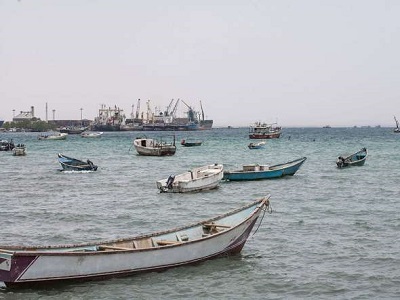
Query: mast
{"points": [[202, 111]]}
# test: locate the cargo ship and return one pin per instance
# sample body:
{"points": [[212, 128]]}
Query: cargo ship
{"points": [[113, 119], [167, 120], [109, 119]]}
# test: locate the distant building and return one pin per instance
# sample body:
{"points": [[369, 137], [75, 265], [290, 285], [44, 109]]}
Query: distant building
{"points": [[25, 115]]}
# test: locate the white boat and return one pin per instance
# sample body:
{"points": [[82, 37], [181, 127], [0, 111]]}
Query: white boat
{"points": [[87, 134], [256, 145], [154, 147], [226, 234], [198, 179], [55, 136], [19, 150], [397, 129], [264, 131]]}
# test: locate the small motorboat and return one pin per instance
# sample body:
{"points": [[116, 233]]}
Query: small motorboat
{"points": [[73, 164], [53, 137], [355, 159], [19, 150], [6, 145], [256, 145], [190, 143], [198, 179], [87, 134]]}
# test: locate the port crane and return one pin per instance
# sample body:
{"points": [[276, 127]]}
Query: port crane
{"points": [[191, 113], [166, 113], [137, 109], [175, 108]]}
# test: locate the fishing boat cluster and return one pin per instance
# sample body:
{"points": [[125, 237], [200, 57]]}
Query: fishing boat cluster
{"points": [[222, 235]]}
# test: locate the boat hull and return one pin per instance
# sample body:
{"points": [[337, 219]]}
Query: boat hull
{"points": [[356, 159], [107, 127], [19, 268], [258, 136], [198, 179], [6, 145], [264, 131], [265, 172], [151, 147], [57, 137], [169, 127], [206, 124], [19, 151], [72, 164], [191, 143], [91, 134]]}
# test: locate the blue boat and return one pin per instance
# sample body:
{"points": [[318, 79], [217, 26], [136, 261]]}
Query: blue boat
{"points": [[191, 143], [72, 164], [355, 159], [257, 172]]}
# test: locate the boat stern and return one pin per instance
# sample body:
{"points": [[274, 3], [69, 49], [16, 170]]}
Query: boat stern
{"points": [[5, 266]]}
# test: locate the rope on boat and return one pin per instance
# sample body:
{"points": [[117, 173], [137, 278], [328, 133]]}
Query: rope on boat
{"points": [[266, 208]]}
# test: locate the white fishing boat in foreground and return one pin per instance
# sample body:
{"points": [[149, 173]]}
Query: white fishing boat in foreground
{"points": [[198, 179], [220, 236]]}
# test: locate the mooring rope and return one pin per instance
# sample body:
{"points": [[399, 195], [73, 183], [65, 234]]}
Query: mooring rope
{"points": [[267, 208]]}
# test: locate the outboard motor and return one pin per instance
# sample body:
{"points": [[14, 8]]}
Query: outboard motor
{"points": [[340, 162], [170, 181], [92, 166]]}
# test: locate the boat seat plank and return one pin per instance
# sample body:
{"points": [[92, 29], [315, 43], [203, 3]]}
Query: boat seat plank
{"points": [[166, 243], [216, 225]]}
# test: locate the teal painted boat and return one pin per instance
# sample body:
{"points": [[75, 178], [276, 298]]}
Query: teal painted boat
{"points": [[73, 164], [355, 159], [257, 172]]}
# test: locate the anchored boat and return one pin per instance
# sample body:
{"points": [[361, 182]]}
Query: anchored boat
{"points": [[355, 159], [202, 178], [73, 164], [42, 265], [264, 131], [154, 147], [257, 172]]}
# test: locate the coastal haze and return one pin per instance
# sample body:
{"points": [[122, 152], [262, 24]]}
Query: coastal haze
{"points": [[297, 63]]}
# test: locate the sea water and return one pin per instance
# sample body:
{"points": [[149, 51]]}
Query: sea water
{"points": [[333, 233]]}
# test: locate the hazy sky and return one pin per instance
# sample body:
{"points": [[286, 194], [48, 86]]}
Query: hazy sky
{"points": [[301, 63]]}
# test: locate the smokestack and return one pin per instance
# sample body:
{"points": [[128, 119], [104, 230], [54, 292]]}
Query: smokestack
{"points": [[47, 120], [32, 111]]}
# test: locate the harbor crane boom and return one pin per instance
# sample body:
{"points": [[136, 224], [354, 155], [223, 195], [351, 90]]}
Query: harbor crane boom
{"points": [[169, 107], [175, 108]]}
